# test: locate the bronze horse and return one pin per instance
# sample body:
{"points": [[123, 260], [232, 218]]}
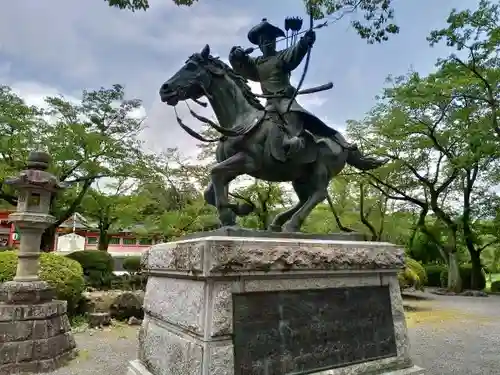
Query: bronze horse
{"points": [[252, 142]]}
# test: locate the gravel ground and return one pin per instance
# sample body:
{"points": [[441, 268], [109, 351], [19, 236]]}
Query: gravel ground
{"points": [[449, 336], [105, 352], [460, 336]]}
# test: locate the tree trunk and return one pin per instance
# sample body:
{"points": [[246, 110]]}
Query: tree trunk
{"points": [[476, 272], [103, 240], [454, 278]]}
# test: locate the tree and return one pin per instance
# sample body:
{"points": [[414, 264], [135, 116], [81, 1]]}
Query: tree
{"points": [[18, 129], [193, 217], [266, 198], [475, 94], [374, 23], [110, 207], [475, 35], [401, 128], [441, 138], [89, 140]]}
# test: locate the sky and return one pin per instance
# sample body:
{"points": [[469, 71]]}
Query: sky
{"points": [[65, 46]]}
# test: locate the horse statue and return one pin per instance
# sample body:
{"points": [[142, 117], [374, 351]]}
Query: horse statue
{"points": [[252, 140]]}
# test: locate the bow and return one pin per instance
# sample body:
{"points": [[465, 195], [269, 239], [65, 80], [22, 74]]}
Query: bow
{"points": [[308, 56]]}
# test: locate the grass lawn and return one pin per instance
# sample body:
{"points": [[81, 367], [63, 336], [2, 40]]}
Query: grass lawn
{"points": [[494, 277]]}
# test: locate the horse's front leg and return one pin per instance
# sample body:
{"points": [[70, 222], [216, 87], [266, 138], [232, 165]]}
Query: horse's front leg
{"points": [[222, 174]]}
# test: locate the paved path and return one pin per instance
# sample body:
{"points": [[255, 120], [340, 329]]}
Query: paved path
{"points": [[459, 336]]}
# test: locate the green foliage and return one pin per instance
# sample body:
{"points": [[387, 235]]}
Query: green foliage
{"points": [[424, 249], [132, 5], [8, 264], [265, 198], [466, 275], [97, 266], [418, 269], [63, 274], [434, 272], [408, 278], [413, 275], [495, 286], [110, 208], [132, 264], [375, 24], [135, 281]]}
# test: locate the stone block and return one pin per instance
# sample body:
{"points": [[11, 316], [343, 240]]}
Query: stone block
{"points": [[16, 331], [34, 338], [98, 319], [177, 301], [223, 256], [167, 352], [41, 311], [189, 305], [15, 292]]}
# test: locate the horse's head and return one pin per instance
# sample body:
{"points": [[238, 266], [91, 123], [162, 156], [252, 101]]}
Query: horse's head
{"points": [[192, 80]]}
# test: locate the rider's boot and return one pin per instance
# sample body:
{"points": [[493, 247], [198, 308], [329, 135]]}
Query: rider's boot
{"points": [[346, 145]]}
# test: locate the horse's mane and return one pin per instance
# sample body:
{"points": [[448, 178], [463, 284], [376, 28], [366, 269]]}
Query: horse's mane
{"points": [[239, 80]]}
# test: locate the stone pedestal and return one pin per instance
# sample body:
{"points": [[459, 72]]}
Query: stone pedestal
{"points": [[35, 334], [221, 305]]}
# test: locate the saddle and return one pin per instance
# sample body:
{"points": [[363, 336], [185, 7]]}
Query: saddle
{"points": [[275, 142]]}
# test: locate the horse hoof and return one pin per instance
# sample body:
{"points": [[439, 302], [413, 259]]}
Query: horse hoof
{"points": [[274, 228], [290, 229]]}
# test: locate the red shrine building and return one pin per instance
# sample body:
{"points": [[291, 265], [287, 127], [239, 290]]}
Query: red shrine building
{"points": [[123, 243]]}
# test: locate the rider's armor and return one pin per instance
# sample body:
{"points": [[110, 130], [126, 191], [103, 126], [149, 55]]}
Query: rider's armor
{"points": [[273, 74]]}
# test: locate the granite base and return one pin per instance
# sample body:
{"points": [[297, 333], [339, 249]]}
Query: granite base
{"points": [[34, 337], [137, 368], [188, 326]]}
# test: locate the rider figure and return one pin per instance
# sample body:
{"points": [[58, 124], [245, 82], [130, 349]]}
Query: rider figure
{"points": [[273, 70]]}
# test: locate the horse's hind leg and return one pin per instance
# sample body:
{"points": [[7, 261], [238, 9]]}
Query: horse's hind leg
{"points": [[302, 193], [317, 187]]}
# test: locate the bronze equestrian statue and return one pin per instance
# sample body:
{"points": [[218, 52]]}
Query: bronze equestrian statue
{"points": [[277, 142]]}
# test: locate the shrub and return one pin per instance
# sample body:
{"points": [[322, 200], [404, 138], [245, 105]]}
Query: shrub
{"points": [[413, 275], [434, 272], [408, 278], [418, 269], [128, 282], [466, 275], [63, 274], [132, 264], [495, 286], [97, 266]]}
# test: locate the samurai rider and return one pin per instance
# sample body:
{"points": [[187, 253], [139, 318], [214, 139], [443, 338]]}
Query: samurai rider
{"points": [[273, 70]]}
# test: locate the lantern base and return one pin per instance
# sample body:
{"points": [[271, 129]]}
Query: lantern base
{"points": [[24, 292], [35, 338]]}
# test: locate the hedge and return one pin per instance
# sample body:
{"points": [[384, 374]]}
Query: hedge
{"points": [[97, 266], [466, 275], [495, 286], [413, 275], [434, 272], [132, 264], [63, 274]]}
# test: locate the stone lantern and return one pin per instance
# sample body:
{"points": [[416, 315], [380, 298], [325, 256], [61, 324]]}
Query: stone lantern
{"points": [[35, 335]]}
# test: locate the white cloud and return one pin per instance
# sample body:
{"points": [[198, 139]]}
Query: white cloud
{"points": [[34, 93]]}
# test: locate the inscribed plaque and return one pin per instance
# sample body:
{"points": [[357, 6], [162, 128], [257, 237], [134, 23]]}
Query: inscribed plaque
{"points": [[304, 331]]}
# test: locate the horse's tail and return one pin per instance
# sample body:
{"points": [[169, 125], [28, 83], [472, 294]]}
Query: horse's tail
{"points": [[362, 162]]}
